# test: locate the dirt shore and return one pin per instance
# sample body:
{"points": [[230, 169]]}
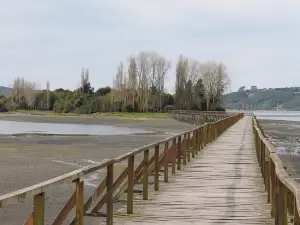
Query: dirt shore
{"points": [[284, 135], [30, 159]]}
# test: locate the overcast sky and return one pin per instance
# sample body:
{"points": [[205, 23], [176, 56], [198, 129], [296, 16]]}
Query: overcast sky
{"points": [[258, 40]]}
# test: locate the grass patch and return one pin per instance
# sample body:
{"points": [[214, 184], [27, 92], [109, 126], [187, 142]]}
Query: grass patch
{"points": [[48, 134], [136, 116], [121, 115]]}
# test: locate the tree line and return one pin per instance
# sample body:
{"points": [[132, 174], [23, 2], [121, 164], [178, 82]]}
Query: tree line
{"points": [[138, 86]]}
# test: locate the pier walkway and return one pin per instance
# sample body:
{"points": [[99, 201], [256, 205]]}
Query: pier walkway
{"points": [[222, 185], [222, 172]]}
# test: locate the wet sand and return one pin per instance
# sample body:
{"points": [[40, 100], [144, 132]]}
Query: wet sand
{"points": [[285, 136], [30, 159]]}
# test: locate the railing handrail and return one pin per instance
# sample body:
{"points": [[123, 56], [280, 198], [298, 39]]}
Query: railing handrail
{"points": [[20, 195], [280, 170], [16, 196]]}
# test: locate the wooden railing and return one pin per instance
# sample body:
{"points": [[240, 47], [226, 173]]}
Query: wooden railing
{"points": [[283, 191], [183, 147], [199, 117]]}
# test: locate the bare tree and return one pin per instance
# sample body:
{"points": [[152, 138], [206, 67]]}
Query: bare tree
{"points": [[23, 93], [29, 93], [162, 67], [132, 80], [143, 72], [216, 81], [48, 95]]}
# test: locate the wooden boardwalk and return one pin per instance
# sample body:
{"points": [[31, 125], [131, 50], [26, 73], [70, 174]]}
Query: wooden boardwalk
{"points": [[222, 185]]}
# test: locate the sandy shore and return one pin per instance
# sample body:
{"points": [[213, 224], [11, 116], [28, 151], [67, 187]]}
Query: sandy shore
{"points": [[30, 159], [284, 135]]}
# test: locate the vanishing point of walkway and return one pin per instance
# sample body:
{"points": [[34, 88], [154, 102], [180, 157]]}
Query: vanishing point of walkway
{"points": [[222, 185]]}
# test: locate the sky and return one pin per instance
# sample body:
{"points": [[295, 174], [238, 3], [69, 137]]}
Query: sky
{"points": [[258, 40]]}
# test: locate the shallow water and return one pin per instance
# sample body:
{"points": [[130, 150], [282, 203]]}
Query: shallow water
{"points": [[14, 127], [278, 115]]}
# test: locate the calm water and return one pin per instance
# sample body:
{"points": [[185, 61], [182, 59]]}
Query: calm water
{"points": [[278, 115], [13, 127]]}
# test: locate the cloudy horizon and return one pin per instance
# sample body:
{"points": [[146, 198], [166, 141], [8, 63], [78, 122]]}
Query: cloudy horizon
{"points": [[43, 40]]}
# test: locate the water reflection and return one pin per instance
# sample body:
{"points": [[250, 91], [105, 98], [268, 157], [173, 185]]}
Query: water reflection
{"points": [[14, 127]]}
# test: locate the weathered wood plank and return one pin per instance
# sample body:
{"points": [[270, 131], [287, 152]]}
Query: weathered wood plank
{"points": [[222, 185]]}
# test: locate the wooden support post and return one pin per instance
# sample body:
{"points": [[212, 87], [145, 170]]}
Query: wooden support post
{"points": [[130, 184], [193, 144], [296, 215], [209, 133], [166, 162], [179, 148], [174, 153], [200, 139], [189, 147], [282, 205], [205, 135], [273, 188], [215, 131], [267, 181], [276, 201], [156, 178], [79, 202], [196, 142], [146, 175], [39, 209], [184, 148], [109, 191], [270, 181]]}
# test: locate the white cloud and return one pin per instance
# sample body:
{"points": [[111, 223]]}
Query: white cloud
{"points": [[45, 39]]}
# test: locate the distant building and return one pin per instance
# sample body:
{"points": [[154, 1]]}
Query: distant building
{"points": [[253, 88]]}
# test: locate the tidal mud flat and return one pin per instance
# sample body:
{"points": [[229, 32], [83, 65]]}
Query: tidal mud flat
{"points": [[285, 136], [29, 159]]}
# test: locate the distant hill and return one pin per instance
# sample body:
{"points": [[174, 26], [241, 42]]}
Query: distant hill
{"points": [[263, 99], [5, 90]]}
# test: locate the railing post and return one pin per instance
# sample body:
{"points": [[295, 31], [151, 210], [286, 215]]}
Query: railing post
{"points": [[259, 152], [208, 133], [166, 162], [276, 201], [200, 138], [174, 155], [282, 204], [146, 175], [272, 188], [39, 209], [216, 130], [296, 215], [79, 202], [184, 149], [156, 178], [196, 142], [205, 135], [262, 155], [193, 145], [267, 179], [109, 191], [189, 147], [179, 149], [130, 184]]}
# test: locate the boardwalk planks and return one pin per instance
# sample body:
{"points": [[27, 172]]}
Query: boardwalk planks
{"points": [[222, 185]]}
